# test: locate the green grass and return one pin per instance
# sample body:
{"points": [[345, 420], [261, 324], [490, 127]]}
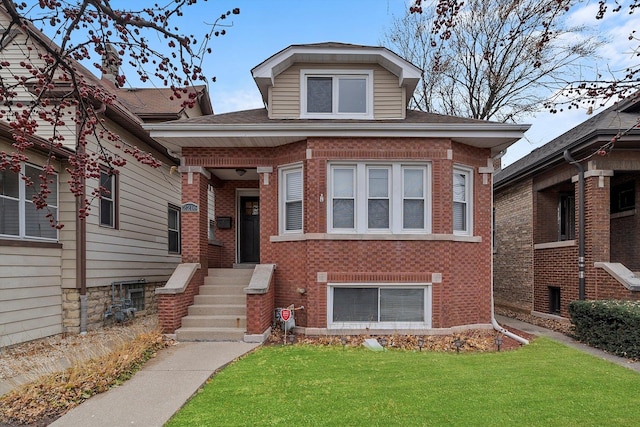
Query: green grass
{"points": [[542, 384]]}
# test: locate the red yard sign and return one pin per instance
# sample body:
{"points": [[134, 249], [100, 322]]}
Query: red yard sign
{"points": [[285, 314]]}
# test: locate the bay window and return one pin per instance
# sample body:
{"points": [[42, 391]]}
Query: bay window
{"points": [[19, 217], [462, 201], [378, 198]]}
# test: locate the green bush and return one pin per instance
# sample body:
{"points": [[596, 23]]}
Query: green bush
{"points": [[613, 326]]}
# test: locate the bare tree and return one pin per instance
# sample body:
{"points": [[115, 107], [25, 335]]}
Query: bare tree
{"points": [[49, 86], [490, 59]]}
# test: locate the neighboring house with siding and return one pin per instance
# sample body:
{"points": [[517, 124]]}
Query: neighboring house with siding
{"points": [[537, 203], [131, 235], [363, 215]]}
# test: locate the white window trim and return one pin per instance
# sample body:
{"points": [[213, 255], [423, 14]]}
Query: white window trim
{"points": [[22, 200], [468, 172], [335, 73], [428, 297], [361, 193], [282, 171]]}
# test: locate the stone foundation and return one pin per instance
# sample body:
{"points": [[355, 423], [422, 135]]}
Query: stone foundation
{"points": [[98, 301]]}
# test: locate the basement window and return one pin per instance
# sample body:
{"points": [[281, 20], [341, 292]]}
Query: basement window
{"points": [[554, 300], [379, 306]]}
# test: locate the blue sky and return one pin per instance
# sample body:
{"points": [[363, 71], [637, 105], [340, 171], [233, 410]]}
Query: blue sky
{"points": [[265, 27]]}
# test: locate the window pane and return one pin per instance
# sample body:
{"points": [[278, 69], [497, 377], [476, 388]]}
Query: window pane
{"points": [[33, 174], [106, 181], [459, 187], [343, 183], [459, 216], [352, 97], [294, 185], [106, 212], [9, 184], [293, 213], [9, 219], [378, 183], [319, 96], [378, 213], [413, 214], [413, 183], [36, 222], [173, 219], [402, 305], [343, 213], [174, 241], [355, 304]]}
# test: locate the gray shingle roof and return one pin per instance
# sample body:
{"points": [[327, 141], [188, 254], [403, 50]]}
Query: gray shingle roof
{"points": [[621, 116]]}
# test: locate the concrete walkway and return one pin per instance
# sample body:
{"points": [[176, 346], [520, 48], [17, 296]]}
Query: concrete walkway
{"points": [[159, 389], [557, 336]]}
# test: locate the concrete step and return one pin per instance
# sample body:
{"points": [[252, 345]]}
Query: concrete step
{"points": [[230, 272], [219, 299], [210, 334], [215, 321], [217, 289], [217, 309]]}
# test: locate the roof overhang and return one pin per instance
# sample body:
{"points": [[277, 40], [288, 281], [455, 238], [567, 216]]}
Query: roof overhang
{"points": [[265, 73], [176, 136]]}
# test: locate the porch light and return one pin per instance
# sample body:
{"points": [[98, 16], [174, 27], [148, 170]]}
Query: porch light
{"points": [[499, 341], [241, 171]]}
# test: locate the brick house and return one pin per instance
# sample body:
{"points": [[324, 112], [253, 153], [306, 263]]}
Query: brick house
{"points": [[360, 213], [537, 204]]}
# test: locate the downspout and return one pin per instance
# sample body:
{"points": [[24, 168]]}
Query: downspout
{"points": [[81, 250], [494, 322], [581, 261]]}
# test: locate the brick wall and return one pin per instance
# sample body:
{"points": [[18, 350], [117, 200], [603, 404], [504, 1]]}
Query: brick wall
{"points": [[513, 252], [462, 298]]}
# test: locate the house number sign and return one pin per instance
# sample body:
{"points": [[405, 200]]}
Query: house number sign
{"points": [[190, 207]]}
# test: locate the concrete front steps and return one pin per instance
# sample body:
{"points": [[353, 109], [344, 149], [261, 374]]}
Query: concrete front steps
{"points": [[219, 312]]}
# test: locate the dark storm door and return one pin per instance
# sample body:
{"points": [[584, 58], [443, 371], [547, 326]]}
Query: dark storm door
{"points": [[249, 229]]}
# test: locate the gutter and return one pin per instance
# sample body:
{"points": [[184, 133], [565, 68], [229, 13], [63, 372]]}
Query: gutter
{"points": [[581, 261], [494, 322]]}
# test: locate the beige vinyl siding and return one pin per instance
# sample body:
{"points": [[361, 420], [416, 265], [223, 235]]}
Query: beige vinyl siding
{"points": [[15, 52], [68, 216], [30, 294], [138, 248], [388, 100]]}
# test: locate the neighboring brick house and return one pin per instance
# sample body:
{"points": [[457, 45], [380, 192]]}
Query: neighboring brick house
{"points": [[47, 275], [376, 217], [537, 217]]}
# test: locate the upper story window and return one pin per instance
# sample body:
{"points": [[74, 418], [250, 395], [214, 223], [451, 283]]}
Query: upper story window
{"points": [[19, 217], [336, 94], [173, 227], [566, 216], [623, 197], [462, 201], [391, 198]]}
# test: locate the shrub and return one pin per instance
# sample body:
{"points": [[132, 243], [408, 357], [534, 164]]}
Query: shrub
{"points": [[613, 326]]}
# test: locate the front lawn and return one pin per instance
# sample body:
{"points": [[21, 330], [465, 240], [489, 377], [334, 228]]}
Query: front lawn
{"points": [[542, 384]]}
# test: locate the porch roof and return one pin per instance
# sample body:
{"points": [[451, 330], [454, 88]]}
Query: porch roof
{"points": [[253, 128]]}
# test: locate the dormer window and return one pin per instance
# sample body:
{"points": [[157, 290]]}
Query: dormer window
{"points": [[336, 94]]}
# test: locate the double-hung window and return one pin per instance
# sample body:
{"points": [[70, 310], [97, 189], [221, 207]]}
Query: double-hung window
{"points": [[462, 201], [19, 217], [378, 198], [173, 225], [291, 205], [108, 198], [336, 93]]}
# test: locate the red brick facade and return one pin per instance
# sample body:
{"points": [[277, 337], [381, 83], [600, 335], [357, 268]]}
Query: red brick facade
{"points": [[527, 234], [461, 297]]}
